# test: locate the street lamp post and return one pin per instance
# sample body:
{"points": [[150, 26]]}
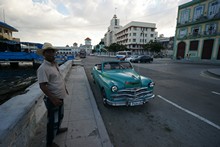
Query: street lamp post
{"points": [[143, 38]]}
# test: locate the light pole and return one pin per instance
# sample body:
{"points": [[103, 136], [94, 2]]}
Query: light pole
{"points": [[143, 38]]}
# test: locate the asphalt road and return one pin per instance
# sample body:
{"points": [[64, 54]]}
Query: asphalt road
{"points": [[185, 111]]}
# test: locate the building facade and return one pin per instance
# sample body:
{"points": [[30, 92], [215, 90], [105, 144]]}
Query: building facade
{"points": [[135, 34], [87, 46], [167, 43], [197, 34], [7, 41], [110, 37]]}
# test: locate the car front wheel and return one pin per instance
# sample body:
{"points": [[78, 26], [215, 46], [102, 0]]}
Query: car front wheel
{"points": [[104, 99]]}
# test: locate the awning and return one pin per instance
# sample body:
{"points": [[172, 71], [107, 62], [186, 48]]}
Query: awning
{"points": [[9, 41]]}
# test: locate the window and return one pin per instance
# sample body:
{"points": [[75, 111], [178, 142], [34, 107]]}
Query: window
{"points": [[213, 8], [182, 33], [116, 23], [193, 45], [134, 34], [195, 31], [151, 35], [198, 11], [210, 29], [184, 17], [135, 28], [134, 40]]}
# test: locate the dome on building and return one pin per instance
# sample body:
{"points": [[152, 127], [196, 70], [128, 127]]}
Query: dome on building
{"points": [[87, 38]]}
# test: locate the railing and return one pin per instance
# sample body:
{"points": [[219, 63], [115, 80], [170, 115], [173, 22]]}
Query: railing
{"points": [[22, 115], [200, 19], [199, 35]]}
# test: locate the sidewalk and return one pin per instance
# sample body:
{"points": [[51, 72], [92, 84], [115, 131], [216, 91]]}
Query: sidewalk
{"points": [[85, 125], [84, 122]]}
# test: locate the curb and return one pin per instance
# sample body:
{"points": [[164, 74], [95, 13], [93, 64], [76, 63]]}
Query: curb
{"points": [[106, 142], [212, 73]]}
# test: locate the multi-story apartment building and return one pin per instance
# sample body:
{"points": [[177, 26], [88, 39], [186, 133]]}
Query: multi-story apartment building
{"points": [[198, 30], [135, 34], [109, 37]]}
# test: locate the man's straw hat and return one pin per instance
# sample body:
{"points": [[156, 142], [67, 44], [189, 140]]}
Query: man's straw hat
{"points": [[46, 46]]}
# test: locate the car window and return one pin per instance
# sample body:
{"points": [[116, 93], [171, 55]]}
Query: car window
{"points": [[99, 67], [107, 66], [125, 65], [117, 65]]}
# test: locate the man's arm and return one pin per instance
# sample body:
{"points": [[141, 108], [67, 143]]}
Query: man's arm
{"points": [[56, 101]]}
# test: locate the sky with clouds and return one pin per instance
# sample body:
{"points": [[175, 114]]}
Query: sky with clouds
{"points": [[64, 22]]}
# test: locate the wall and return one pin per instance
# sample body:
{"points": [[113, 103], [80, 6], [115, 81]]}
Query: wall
{"points": [[21, 115]]}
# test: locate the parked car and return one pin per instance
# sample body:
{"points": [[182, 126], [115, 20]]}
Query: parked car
{"points": [[121, 55], [121, 85], [131, 57], [142, 58]]}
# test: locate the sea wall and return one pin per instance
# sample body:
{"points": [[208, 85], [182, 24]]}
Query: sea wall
{"points": [[21, 116]]}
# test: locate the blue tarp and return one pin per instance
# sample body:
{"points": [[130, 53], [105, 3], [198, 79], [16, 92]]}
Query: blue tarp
{"points": [[38, 45], [19, 56]]}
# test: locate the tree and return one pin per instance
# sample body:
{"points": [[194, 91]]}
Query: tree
{"points": [[114, 47], [153, 46]]}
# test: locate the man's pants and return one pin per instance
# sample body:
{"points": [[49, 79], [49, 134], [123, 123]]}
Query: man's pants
{"points": [[55, 116]]}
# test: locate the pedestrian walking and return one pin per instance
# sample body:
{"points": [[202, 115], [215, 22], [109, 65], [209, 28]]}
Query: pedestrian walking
{"points": [[53, 85]]}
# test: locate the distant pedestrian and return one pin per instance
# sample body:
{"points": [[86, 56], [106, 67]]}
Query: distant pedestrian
{"points": [[52, 84]]}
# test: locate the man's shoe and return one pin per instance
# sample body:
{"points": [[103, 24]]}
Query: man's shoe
{"points": [[62, 130], [53, 145]]}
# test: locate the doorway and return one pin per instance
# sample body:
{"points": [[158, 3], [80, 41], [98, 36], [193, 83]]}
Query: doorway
{"points": [[207, 49], [181, 50]]}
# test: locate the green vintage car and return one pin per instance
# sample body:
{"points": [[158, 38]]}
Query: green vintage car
{"points": [[120, 85]]}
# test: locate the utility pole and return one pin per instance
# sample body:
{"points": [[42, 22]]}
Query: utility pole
{"points": [[143, 37]]}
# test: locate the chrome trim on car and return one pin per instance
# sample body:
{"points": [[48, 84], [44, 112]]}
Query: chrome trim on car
{"points": [[129, 102], [133, 93]]}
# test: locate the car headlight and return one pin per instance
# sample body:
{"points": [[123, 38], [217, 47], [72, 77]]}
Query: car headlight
{"points": [[151, 84], [114, 88]]}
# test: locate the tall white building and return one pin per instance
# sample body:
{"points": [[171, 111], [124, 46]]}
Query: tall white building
{"points": [[109, 37], [135, 34]]}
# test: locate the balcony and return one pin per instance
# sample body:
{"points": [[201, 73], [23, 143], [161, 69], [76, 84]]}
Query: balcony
{"points": [[199, 20], [204, 34]]}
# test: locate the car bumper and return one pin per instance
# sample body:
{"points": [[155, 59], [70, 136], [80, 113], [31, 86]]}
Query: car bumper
{"points": [[130, 101]]}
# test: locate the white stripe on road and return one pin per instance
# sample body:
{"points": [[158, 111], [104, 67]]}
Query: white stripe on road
{"points": [[191, 113], [216, 92]]}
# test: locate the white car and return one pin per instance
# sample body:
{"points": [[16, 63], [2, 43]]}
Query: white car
{"points": [[131, 57]]}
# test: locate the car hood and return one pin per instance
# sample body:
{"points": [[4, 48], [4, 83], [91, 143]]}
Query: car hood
{"points": [[126, 77]]}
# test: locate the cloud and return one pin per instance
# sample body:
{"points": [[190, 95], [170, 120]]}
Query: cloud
{"points": [[63, 22]]}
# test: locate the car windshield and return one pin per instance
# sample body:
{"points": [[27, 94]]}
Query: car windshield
{"points": [[117, 65]]}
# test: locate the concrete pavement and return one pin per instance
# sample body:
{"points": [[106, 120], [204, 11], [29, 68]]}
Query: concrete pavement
{"points": [[84, 122], [81, 116]]}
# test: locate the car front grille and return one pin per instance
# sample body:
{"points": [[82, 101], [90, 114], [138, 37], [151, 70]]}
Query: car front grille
{"points": [[133, 93]]}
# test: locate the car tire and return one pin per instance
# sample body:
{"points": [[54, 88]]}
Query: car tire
{"points": [[93, 80], [104, 101]]}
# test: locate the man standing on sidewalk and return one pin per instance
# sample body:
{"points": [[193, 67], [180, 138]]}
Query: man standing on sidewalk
{"points": [[52, 84]]}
